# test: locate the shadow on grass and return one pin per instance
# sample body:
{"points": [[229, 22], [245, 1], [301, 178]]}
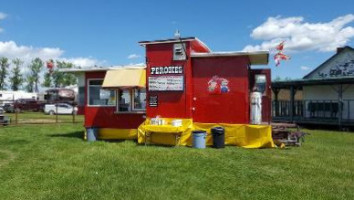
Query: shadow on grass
{"points": [[76, 134]]}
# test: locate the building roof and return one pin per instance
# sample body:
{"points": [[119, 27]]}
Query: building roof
{"points": [[97, 69], [256, 57], [305, 82], [174, 40], [339, 51]]}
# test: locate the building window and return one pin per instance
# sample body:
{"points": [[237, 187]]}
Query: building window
{"points": [[139, 99], [99, 96], [131, 100], [81, 96], [124, 101], [260, 83]]}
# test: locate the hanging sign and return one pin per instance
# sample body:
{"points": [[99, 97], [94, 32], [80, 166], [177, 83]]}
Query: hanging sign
{"points": [[153, 101], [166, 83]]}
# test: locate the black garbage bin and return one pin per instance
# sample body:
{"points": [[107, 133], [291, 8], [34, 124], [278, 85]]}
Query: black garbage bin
{"points": [[218, 134]]}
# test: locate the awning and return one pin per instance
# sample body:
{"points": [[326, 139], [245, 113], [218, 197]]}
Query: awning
{"points": [[117, 78], [255, 57]]}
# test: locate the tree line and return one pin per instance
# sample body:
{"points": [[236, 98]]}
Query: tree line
{"points": [[31, 80]]}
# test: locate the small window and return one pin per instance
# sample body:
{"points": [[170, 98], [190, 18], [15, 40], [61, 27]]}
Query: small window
{"points": [[131, 100], [139, 99], [260, 83], [99, 96], [124, 100]]}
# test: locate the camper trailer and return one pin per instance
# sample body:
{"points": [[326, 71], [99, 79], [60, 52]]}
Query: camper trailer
{"points": [[8, 97]]}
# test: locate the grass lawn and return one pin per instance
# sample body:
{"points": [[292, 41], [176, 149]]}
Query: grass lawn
{"points": [[53, 162]]}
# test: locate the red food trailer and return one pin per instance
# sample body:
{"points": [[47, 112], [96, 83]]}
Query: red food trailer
{"points": [[185, 86], [186, 80]]}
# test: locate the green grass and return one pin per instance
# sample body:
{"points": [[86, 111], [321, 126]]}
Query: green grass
{"points": [[53, 162]]}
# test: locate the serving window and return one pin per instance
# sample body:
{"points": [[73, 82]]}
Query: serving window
{"points": [[131, 100], [97, 96]]}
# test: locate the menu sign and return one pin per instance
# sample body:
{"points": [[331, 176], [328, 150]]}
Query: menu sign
{"points": [[166, 83]]}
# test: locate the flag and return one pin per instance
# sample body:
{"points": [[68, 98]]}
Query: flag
{"points": [[50, 65], [280, 56], [280, 46]]}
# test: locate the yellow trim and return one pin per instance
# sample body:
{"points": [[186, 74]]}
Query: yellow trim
{"points": [[111, 133], [243, 135]]}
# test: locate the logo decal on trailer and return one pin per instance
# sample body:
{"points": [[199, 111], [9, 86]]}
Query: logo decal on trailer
{"points": [[218, 85]]}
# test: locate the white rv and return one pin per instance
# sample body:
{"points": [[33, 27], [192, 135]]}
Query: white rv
{"points": [[11, 96]]}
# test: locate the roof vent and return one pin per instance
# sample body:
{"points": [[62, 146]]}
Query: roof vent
{"points": [[177, 34]]}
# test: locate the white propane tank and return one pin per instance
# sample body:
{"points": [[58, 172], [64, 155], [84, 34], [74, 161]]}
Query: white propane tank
{"points": [[256, 108]]}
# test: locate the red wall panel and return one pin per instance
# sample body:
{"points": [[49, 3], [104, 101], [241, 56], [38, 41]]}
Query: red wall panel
{"points": [[230, 107], [171, 104], [105, 117]]}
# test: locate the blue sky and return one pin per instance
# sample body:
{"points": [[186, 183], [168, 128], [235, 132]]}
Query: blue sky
{"points": [[106, 32]]}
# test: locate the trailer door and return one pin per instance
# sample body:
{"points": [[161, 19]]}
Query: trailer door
{"points": [[220, 90], [260, 80]]}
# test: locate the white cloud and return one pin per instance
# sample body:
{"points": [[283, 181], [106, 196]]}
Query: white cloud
{"points": [[83, 62], [137, 64], [2, 16], [304, 68], [12, 50], [133, 56], [303, 36]]}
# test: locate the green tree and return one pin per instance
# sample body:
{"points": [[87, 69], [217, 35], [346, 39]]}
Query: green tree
{"points": [[61, 79], [33, 78], [30, 84], [4, 65], [47, 80], [16, 79]]}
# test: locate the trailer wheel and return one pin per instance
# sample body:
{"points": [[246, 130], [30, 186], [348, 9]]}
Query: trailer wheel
{"points": [[51, 112]]}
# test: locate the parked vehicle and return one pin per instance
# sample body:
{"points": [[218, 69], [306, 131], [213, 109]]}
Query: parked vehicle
{"points": [[60, 109], [7, 97], [9, 108], [4, 120], [27, 105], [60, 95]]}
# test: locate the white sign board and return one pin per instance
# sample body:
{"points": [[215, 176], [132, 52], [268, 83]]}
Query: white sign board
{"points": [[166, 83]]}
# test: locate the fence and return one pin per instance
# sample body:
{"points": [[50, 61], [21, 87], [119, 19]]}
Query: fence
{"points": [[13, 113], [314, 110]]}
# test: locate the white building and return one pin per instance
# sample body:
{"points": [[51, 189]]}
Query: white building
{"points": [[327, 93]]}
